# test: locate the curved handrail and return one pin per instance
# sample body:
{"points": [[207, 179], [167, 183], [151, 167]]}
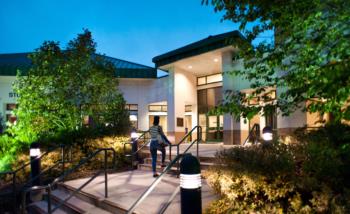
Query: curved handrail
{"points": [[29, 162], [167, 168], [14, 172], [48, 187], [255, 128], [139, 137], [132, 154]]}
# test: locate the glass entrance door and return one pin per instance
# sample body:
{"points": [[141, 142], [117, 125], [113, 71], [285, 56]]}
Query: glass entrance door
{"points": [[212, 126]]}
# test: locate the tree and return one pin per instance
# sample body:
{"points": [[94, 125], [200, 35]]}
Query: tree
{"points": [[63, 87], [308, 62]]}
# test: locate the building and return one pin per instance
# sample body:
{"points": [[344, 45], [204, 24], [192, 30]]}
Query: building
{"points": [[196, 81]]}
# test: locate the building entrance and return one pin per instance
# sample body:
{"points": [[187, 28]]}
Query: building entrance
{"points": [[212, 125]]}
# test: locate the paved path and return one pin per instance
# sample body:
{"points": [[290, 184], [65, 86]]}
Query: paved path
{"points": [[205, 150], [126, 187]]}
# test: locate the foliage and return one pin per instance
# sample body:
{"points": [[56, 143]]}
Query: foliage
{"points": [[61, 92], [310, 176], [309, 60]]}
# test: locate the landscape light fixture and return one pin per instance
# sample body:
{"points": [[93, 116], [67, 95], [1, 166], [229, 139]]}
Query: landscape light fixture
{"points": [[267, 134], [190, 185]]}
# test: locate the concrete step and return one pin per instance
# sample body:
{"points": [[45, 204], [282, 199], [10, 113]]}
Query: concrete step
{"points": [[204, 165], [98, 203], [148, 167], [75, 204], [147, 154], [40, 207]]}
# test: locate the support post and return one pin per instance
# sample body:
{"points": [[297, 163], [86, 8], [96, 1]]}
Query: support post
{"points": [[190, 185]]}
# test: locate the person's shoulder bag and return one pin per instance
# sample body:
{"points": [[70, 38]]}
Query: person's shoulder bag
{"points": [[162, 139]]}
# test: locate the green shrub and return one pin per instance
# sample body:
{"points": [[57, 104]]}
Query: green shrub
{"points": [[311, 176]]}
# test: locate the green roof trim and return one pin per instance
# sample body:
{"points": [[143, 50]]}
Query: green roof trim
{"points": [[10, 63], [205, 45]]}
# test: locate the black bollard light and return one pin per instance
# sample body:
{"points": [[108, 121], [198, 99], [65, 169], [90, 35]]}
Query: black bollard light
{"points": [[190, 185], [267, 134], [34, 153]]}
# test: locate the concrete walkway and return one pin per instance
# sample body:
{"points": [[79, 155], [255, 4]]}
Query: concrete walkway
{"points": [[126, 187], [205, 150]]}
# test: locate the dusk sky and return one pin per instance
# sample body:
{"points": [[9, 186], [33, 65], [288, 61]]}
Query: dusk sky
{"points": [[131, 30]]}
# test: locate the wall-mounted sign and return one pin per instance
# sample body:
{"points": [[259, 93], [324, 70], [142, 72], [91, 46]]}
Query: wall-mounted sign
{"points": [[179, 122], [13, 95]]}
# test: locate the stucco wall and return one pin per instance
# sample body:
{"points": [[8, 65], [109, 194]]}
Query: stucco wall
{"points": [[144, 92], [5, 90]]}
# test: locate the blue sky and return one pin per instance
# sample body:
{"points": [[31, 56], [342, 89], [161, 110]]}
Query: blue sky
{"points": [[132, 30]]}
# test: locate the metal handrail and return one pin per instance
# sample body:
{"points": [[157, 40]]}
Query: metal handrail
{"points": [[167, 168], [14, 172], [132, 154], [199, 138], [256, 129], [48, 187]]}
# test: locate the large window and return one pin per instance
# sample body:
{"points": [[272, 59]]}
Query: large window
{"points": [[209, 79], [133, 114], [158, 108]]}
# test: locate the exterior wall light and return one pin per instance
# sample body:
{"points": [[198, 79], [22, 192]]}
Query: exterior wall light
{"points": [[190, 185], [267, 134]]}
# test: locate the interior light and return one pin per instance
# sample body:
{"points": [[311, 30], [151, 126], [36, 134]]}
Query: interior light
{"points": [[216, 60], [189, 67]]}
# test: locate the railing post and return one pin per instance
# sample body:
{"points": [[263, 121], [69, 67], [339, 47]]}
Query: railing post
{"points": [[23, 211], [178, 165], [170, 152], [114, 159], [49, 199], [198, 139], [106, 179]]}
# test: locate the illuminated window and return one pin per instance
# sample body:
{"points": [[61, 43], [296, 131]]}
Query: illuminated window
{"points": [[11, 106], [209, 79], [214, 78], [158, 108], [201, 81], [133, 114], [188, 108]]}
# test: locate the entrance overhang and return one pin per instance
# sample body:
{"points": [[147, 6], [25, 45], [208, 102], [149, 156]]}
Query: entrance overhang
{"points": [[203, 57]]}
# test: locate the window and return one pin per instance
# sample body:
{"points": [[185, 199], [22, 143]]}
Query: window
{"points": [[11, 106], [11, 118], [265, 97], [158, 108], [209, 79], [201, 81], [133, 114], [214, 78], [188, 108]]}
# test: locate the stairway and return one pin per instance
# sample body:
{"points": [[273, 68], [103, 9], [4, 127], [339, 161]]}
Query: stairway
{"points": [[124, 188]]}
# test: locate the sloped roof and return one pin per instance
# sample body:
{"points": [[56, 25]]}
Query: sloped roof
{"points": [[202, 46], [10, 63]]}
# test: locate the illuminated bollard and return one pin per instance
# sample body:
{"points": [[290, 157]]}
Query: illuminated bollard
{"points": [[190, 185], [35, 169], [34, 153]]}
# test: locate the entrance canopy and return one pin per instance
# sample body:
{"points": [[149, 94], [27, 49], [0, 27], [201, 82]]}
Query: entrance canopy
{"points": [[203, 57]]}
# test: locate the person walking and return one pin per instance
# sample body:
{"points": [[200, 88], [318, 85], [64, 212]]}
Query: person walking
{"points": [[158, 142]]}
